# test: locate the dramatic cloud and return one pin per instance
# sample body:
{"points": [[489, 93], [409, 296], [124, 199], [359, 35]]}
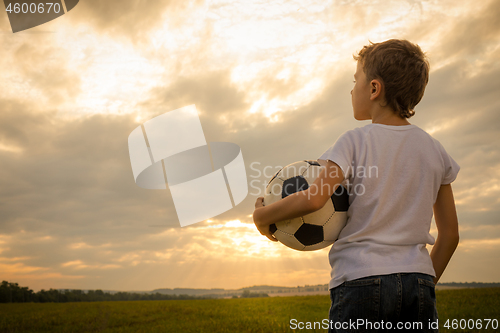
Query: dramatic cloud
{"points": [[274, 78]]}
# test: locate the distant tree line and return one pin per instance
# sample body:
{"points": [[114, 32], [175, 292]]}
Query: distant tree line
{"points": [[247, 294], [471, 284], [13, 293]]}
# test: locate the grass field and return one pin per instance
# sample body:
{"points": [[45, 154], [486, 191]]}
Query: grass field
{"points": [[219, 315]]}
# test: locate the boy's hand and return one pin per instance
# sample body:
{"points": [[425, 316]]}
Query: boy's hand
{"points": [[261, 226], [259, 203]]}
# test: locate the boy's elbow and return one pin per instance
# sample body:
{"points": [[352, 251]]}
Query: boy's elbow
{"points": [[456, 239], [453, 238], [455, 235]]}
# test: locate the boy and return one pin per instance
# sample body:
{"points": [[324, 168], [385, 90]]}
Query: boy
{"points": [[382, 272]]}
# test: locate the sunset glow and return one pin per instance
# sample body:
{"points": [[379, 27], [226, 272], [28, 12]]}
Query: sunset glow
{"points": [[274, 78]]}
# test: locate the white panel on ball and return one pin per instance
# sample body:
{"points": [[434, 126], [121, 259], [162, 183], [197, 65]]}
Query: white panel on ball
{"points": [[289, 240]]}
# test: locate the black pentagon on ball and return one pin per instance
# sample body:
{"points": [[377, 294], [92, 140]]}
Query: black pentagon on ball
{"points": [[312, 162], [309, 234], [292, 185], [340, 199], [272, 228]]}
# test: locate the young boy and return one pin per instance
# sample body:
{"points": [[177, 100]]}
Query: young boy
{"points": [[382, 272]]}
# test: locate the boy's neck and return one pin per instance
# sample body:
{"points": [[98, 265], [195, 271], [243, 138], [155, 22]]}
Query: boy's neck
{"points": [[386, 116]]}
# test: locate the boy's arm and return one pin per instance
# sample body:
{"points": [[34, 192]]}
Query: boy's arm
{"points": [[300, 203], [447, 225]]}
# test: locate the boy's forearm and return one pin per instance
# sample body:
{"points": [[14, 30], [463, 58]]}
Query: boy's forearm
{"points": [[447, 225], [441, 253], [292, 206]]}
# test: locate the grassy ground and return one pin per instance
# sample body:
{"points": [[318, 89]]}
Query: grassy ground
{"points": [[224, 315]]}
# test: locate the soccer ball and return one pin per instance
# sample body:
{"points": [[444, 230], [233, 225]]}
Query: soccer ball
{"points": [[312, 231]]}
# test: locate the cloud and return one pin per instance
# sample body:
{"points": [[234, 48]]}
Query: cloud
{"points": [[130, 19], [474, 261], [52, 78], [74, 174], [212, 92], [475, 34], [214, 248], [271, 78]]}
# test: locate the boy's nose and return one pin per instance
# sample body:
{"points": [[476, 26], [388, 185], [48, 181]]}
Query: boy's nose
{"points": [[351, 91]]}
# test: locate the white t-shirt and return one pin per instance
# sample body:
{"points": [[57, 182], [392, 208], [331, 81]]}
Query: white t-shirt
{"points": [[393, 174]]}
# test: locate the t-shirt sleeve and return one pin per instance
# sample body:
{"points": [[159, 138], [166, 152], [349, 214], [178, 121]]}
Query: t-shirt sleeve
{"points": [[451, 167], [341, 153]]}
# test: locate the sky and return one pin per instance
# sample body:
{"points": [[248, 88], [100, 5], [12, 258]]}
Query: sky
{"points": [[271, 77]]}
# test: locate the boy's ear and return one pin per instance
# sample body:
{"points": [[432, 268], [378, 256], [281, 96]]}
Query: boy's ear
{"points": [[376, 88]]}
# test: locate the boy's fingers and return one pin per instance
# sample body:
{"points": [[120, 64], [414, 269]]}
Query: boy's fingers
{"points": [[271, 237], [266, 233], [259, 202]]}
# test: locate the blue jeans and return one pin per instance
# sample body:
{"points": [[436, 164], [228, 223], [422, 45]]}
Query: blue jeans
{"points": [[384, 303]]}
